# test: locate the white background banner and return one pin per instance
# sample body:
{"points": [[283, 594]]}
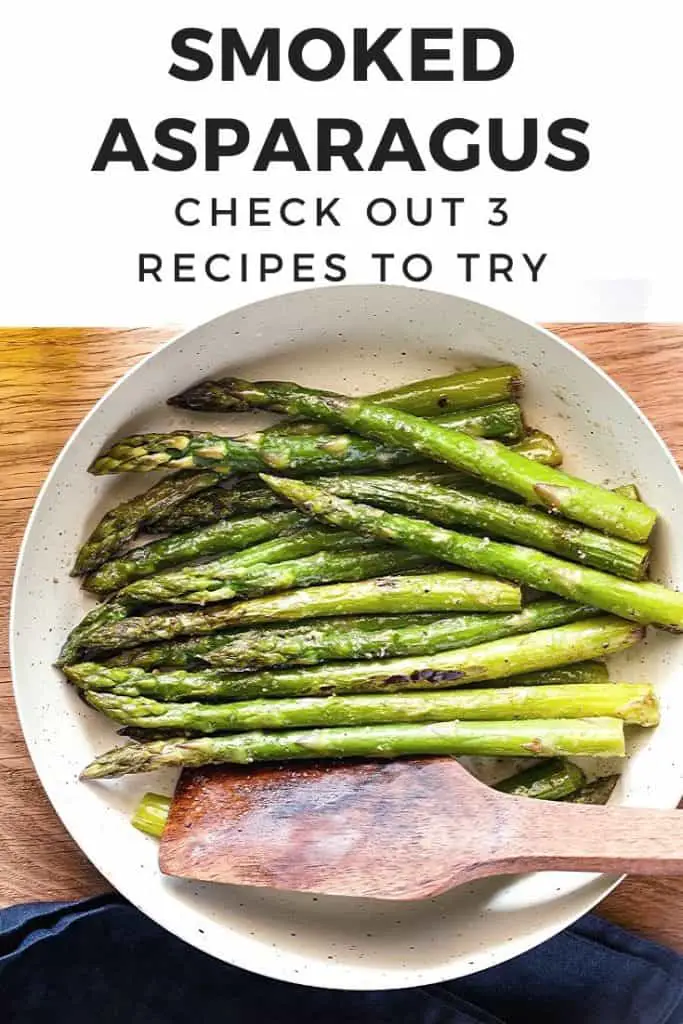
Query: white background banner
{"points": [[604, 239]]}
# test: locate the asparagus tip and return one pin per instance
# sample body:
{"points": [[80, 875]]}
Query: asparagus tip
{"points": [[203, 394]]}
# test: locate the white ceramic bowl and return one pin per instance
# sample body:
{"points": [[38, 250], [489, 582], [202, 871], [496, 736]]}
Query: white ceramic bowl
{"points": [[354, 339]]}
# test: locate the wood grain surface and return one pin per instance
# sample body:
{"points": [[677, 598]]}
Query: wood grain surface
{"points": [[286, 827], [49, 379]]}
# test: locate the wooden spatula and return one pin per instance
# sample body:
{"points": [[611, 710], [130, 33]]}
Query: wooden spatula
{"points": [[400, 830]]}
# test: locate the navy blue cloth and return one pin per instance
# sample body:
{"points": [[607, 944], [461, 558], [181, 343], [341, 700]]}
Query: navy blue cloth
{"points": [[102, 962]]}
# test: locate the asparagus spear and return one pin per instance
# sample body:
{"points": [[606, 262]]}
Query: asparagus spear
{"points": [[306, 453], [574, 498], [545, 780], [435, 395], [250, 573], [596, 792], [223, 575], [230, 535], [489, 515], [598, 737], [100, 615], [566, 675], [151, 814], [245, 495], [192, 653], [547, 648], [250, 495], [349, 563], [649, 603], [122, 524], [303, 558], [305, 539], [433, 592], [338, 640], [634, 703]]}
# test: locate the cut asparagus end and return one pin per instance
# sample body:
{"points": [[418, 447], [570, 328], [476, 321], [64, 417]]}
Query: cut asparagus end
{"points": [[151, 814]]}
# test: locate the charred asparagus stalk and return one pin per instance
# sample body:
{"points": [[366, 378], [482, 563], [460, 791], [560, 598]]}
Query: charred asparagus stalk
{"points": [[336, 556], [546, 780], [387, 595], [643, 602], [545, 649], [491, 516], [192, 653], [250, 495], [598, 737], [305, 453], [340, 640], [229, 535], [574, 498], [634, 703], [250, 573], [122, 524]]}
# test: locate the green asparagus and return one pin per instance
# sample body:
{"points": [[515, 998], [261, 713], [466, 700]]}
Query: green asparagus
{"points": [[436, 395], [100, 615], [545, 780], [580, 672], [250, 495], [340, 640], [488, 515], [644, 602], [324, 453], [123, 523], [596, 792], [320, 558], [547, 648], [574, 498], [477, 593], [469, 388], [634, 703], [387, 595], [229, 535], [192, 653], [228, 498], [598, 737], [151, 814], [223, 573], [350, 563]]}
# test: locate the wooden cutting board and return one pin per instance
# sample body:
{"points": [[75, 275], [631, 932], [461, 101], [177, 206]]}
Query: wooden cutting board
{"points": [[49, 379]]}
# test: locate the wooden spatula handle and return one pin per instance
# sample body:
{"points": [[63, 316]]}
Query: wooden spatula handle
{"points": [[547, 837]]}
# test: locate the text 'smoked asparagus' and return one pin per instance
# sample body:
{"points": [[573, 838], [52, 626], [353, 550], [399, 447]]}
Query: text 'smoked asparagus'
{"points": [[404, 574]]}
